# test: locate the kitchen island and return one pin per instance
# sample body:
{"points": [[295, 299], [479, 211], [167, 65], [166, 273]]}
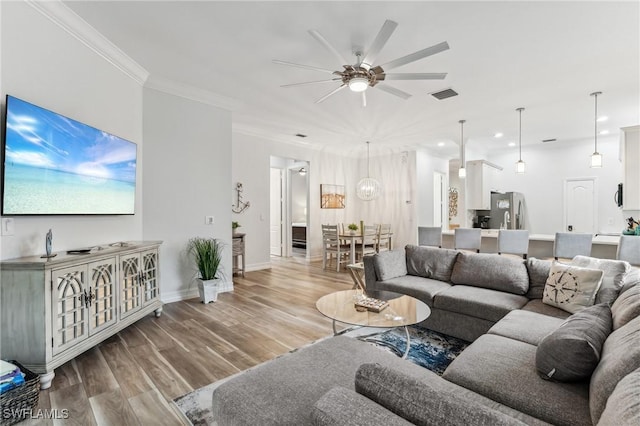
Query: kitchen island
{"points": [[541, 245]]}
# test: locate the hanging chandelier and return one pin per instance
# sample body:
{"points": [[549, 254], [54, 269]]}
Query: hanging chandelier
{"points": [[368, 188], [520, 165], [596, 157], [462, 171]]}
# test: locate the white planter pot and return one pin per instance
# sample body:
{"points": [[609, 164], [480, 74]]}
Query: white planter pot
{"points": [[208, 289]]}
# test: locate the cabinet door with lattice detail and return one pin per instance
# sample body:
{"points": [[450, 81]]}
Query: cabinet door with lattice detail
{"points": [[150, 286], [102, 299], [70, 316], [130, 281]]}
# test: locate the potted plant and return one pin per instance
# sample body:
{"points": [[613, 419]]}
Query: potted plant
{"points": [[207, 254], [352, 228], [235, 226]]}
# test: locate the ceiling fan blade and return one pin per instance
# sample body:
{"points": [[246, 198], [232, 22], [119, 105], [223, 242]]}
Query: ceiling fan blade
{"points": [[416, 56], [404, 95], [323, 41], [416, 76], [311, 82], [308, 67], [364, 99], [333, 92], [378, 43]]}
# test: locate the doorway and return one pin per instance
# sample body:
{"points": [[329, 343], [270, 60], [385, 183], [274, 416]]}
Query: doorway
{"points": [[275, 212], [439, 198], [580, 205]]}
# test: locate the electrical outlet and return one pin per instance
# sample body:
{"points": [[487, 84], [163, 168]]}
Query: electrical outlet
{"points": [[8, 226], [208, 220]]}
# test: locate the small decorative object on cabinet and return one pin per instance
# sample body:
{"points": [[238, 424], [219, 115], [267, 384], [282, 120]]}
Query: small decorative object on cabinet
{"points": [[48, 242], [207, 255], [53, 310], [237, 252]]}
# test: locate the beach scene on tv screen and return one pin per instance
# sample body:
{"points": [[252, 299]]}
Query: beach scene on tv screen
{"points": [[56, 165]]}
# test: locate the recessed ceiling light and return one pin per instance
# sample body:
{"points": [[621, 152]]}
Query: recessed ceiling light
{"points": [[603, 118], [498, 135], [603, 132], [512, 144], [440, 143]]}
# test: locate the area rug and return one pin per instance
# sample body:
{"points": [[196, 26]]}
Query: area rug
{"points": [[427, 348]]}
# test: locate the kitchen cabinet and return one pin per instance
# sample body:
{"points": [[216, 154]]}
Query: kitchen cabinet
{"points": [[482, 178], [52, 310], [631, 165]]}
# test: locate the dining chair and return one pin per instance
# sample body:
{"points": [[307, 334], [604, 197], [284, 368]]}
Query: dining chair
{"points": [[430, 236], [467, 239], [629, 249], [333, 246], [383, 242], [368, 241], [567, 245], [513, 241]]}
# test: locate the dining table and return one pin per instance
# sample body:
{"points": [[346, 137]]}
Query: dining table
{"points": [[356, 237]]}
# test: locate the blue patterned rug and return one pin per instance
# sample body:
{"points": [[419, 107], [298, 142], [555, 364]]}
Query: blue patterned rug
{"points": [[427, 348]]}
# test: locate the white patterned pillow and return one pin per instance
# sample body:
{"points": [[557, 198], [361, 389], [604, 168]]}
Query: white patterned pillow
{"points": [[571, 288]]}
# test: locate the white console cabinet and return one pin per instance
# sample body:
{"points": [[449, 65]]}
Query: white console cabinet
{"points": [[54, 309]]}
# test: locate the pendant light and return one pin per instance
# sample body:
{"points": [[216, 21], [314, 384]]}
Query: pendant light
{"points": [[368, 188], [520, 166], [596, 157], [462, 171]]}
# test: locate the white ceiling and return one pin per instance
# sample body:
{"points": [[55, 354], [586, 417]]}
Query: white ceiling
{"points": [[544, 56]]}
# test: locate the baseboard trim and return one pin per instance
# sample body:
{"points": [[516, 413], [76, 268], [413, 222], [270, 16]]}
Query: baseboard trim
{"points": [[258, 266], [190, 293]]}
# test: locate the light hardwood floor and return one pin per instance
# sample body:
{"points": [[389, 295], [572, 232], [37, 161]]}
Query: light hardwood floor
{"points": [[131, 378]]}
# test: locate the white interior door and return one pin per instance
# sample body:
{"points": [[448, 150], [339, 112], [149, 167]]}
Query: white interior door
{"points": [[275, 212], [580, 208]]}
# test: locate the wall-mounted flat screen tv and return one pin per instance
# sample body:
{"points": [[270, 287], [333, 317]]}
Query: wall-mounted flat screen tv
{"points": [[53, 165]]}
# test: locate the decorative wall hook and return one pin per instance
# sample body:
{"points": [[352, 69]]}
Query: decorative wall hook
{"points": [[240, 205]]}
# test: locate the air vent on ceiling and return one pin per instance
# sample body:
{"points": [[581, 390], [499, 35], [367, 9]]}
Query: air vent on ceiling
{"points": [[444, 94], [300, 135], [549, 140]]}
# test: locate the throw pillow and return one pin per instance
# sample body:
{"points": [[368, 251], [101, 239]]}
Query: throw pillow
{"points": [[626, 307], [613, 278], [572, 351], [571, 288], [538, 273], [390, 264]]}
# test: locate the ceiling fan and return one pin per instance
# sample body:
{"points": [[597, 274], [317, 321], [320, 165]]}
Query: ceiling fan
{"points": [[363, 74]]}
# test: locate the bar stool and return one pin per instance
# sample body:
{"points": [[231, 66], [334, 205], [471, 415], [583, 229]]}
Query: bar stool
{"points": [[570, 244], [430, 236], [467, 239], [629, 249], [513, 241]]}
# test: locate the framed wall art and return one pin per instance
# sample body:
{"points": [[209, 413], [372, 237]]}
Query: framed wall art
{"points": [[331, 196]]}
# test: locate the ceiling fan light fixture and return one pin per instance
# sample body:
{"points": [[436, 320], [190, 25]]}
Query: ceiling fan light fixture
{"points": [[358, 84]]}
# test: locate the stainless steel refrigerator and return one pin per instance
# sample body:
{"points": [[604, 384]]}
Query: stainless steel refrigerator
{"points": [[507, 211]]}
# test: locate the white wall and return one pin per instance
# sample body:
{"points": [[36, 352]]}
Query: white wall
{"points": [[187, 176], [46, 65], [548, 166]]}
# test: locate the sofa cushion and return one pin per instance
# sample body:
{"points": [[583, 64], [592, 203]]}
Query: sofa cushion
{"points": [[525, 326], [612, 279], [572, 351], [620, 356], [504, 370], [631, 280], [422, 401], [478, 302], [626, 307], [537, 306], [538, 270], [490, 271], [421, 288], [390, 264], [571, 288], [344, 407], [430, 262], [623, 406]]}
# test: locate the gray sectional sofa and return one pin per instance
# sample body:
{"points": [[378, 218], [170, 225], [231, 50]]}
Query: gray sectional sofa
{"points": [[491, 300]]}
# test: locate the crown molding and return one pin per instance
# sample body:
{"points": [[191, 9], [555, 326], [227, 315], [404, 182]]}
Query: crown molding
{"points": [[58, 13], [193, 93]]}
